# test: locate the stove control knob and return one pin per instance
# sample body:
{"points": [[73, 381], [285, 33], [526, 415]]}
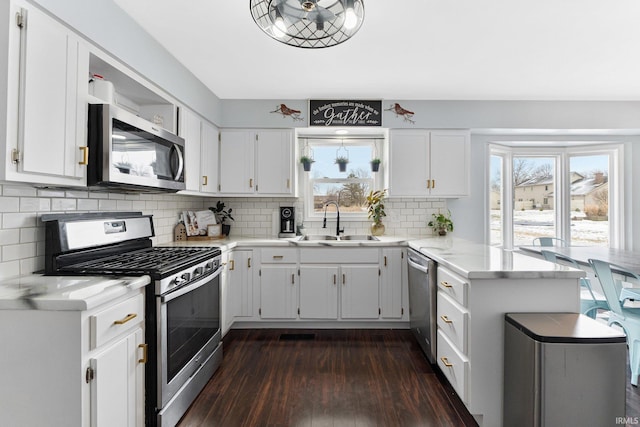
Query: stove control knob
{"points": [[198, 272], [180, 280]]}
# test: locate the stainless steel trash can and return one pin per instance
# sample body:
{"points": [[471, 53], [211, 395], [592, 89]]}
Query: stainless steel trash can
{"points": [[562, 369]]}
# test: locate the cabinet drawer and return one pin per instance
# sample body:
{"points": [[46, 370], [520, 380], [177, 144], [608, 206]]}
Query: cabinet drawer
{"points": [[453, 285], [339, 255], [452, 321], [116, 320], [454, 365], [279, 256]]}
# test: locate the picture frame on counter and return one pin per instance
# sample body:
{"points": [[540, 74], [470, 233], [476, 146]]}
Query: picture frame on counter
{"points": [[214, 230]]}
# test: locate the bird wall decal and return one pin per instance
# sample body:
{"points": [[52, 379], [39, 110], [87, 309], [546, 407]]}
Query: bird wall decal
{"points": [[406, 114], [288, 112]]}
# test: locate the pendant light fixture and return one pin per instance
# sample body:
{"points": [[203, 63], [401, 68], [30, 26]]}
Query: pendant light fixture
{"points": [[308, 23]]}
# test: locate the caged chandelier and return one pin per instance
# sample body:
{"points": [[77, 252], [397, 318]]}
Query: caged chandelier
{"points": [[308, 23]]}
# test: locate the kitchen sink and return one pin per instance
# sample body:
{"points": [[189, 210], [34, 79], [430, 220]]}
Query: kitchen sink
{"points": [[311, 237], [358, 237], [352, 238]]}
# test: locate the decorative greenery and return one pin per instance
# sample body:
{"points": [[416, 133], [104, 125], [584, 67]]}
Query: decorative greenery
{"points": [[376, 161], [342, 160], [441, 223], [375, 207], [306, 159], [221, 214]]}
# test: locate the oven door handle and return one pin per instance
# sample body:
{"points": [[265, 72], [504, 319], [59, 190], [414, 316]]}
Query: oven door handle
{"points": [[188, 288]]}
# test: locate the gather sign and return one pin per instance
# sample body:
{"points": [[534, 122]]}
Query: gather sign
{"points": [[345, 113]]}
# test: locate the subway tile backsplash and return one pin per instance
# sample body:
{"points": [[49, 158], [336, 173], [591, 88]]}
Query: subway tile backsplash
{"points": [[22, 232]]}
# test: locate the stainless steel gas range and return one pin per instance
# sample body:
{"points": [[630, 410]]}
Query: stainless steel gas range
{"points": [[182, 326]]}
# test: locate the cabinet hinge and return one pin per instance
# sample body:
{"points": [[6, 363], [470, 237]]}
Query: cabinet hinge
{"points": [[15, 156], [20, 19], [89, 375]]}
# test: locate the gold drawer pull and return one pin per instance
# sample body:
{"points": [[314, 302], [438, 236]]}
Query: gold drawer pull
{"points": [[446, 284], [145, 349], [205, 180], [85, 156], [129, 316], [250, 182], [232, 264], [433, 183], [446, 362], [446, 319], [278, 256]]}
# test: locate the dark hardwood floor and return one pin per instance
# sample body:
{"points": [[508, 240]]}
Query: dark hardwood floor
{"points": [[336, 378], [325, 378]]}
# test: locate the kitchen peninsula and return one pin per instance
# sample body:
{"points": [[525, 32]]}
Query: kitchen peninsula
{"points": [[477, 285]]}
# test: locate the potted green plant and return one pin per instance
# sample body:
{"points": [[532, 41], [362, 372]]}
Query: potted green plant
{"points": [[306, 162], [441, 223], [375, 209], [222, 216], [375, 164], [342, 163]]}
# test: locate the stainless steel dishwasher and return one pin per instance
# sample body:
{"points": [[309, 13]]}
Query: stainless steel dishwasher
{"points": [[422, 301]]}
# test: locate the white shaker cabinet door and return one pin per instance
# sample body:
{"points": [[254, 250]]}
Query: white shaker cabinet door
{"points": [[117, 390], [191, 131], [450, 163], [274, 151], [409, 163], [319, 292], [52, 81], [209, 159], [359, 291], [237, 162]]}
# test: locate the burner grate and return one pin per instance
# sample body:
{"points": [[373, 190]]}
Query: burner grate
{"points": [[154, 259]]}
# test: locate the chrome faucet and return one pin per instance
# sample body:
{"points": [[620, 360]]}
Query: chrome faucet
{"points": [[324, 221]]}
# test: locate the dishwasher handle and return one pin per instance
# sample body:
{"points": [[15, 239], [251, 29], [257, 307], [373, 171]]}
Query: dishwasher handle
{"points": [[417, 266]]}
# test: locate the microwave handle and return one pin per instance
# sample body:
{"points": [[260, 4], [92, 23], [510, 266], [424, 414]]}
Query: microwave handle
{"points": [[176, 148]]}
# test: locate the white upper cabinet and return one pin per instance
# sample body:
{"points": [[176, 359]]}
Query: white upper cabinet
{"points": [[48, 69], [429, 163], [256, 162], [201, 153], [237, 152], [274, 162]]}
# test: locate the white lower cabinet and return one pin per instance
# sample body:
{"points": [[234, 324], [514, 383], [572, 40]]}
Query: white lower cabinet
{"points": [[392, 283], [359, 294], [319, 292], [241, 292], [74, 368], [226, 315], [118, 374], [278, 292]]}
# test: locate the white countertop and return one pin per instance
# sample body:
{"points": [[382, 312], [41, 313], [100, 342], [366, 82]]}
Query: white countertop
{"points": [[75, 293], [470, 260], [478, 261]]}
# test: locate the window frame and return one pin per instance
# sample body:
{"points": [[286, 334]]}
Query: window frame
{"points": [[562, 204], [375, 181]]}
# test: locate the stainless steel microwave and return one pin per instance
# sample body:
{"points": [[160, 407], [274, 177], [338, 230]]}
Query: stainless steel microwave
{"points": [[127, 152]]}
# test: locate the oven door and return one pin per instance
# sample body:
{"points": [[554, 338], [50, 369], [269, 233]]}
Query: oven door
{"points": [[188, 332]]}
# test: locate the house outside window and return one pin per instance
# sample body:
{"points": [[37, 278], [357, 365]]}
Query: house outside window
{"points": [[574, 185]]}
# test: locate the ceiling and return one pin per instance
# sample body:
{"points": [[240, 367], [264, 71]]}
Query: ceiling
{"points": [[413, 49]]}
